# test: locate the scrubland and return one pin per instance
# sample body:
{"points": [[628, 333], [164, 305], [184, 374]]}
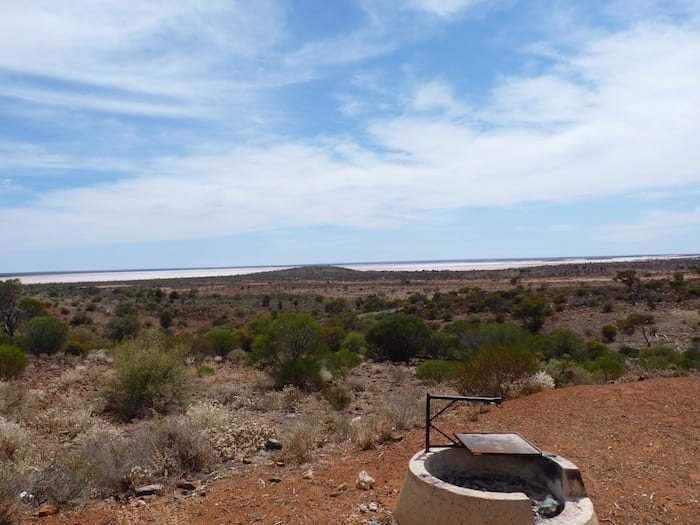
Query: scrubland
{"points": [[110, 389]]}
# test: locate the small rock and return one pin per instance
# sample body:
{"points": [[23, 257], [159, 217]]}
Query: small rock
{"points": [[218, 359], [397, 436], [342, 487], [147, 490], [275, 480], [273, 444], [364, 481], [47, 510], [364, 509], [309, 474], [373, 506], [549, 507], [185, 485]]}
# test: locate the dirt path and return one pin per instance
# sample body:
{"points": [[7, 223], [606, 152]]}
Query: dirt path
{"points": [[637, 445]]}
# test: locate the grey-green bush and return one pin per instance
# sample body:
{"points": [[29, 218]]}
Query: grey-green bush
{"points": [[12, 361], [149, 377]]}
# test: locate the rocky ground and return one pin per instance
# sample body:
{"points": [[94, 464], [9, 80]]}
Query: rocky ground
{"points": [[636, 443]]}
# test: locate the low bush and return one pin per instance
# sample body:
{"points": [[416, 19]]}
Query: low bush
{"points": [[204, 371], [567, 372], [609, 333], [337, 397], [123, 327], [148, 377], [403, 410], [10, 479], [658, 358], [398, 337], [171, 447], [561, 342], [437, 371], [493, 369], [218, 341], [302, 372], [354, 342], [220, 430], [12, 361], [300, 441], [540, 381], [690, 360], [608, 366], [43, 335], [338, 363], [13, 439]]}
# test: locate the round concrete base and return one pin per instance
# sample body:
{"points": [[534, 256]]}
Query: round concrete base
{"points": [[427, 498]]}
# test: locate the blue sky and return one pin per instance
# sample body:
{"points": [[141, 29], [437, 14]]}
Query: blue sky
{"points": [[222, 133]]}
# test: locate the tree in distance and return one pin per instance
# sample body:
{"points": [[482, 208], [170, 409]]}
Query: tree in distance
{"points": [[10, 293]]}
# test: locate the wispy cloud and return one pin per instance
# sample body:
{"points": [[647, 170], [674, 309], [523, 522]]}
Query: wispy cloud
{"points": [[654, 225], [169, 53], [444, 8]]}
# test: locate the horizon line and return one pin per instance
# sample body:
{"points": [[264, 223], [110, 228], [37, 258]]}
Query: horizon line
{"points": [[5, 275]]}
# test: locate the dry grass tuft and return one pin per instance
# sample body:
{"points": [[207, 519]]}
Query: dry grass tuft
{"points": [[13, 440], [300, 440]]}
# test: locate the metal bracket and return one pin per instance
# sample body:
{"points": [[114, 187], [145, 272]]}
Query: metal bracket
{"points": [[429, 425]]}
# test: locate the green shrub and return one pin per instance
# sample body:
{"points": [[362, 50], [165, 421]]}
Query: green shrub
{"points": [[594, 350], [354, 342], [148, 377], [473, 336], [340, 362], [658, 358], [288, 337], [123, 327], [12, 361], [218, 341], [398, 338], [629, 351], [566, 372], [165, 318], [437, 371], [690, 360], [76, 348], [608, 366], [204, 371], [561, 342], [302, 372], [609, 333], [337, 397], [531, 308], [237, 356], [493, 369], [44, 335]]}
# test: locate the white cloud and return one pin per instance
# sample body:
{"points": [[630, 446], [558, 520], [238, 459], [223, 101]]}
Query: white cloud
{"points": [[444, 8], [436, 95], [656, 224]]}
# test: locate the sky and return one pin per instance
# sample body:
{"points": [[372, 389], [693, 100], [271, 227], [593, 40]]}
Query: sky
{"points": [[203, 133]]}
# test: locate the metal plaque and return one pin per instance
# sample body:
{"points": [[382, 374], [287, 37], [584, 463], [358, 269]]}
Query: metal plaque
{"points": [[497, 443]]}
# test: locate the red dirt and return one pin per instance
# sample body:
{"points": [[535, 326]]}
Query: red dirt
{"points": [[637, 445]]}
